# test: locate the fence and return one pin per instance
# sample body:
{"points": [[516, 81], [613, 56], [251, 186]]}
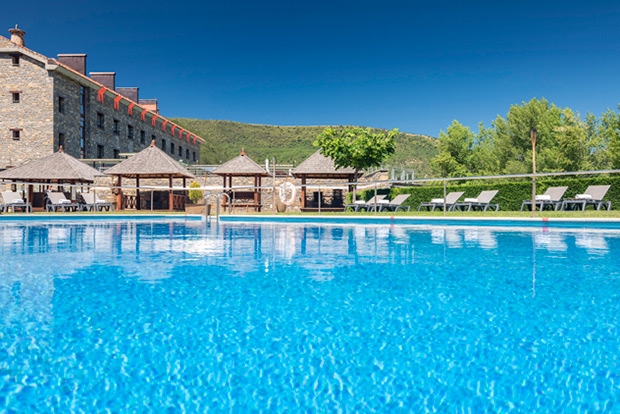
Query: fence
{"points": [[367, 189]]}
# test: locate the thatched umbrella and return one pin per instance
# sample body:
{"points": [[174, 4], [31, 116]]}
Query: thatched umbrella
{"points": [[57, 168], [243, 166], [318, 166], [151, 162]]}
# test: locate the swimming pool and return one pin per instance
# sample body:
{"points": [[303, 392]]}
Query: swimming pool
{"points": [[178, 315]]}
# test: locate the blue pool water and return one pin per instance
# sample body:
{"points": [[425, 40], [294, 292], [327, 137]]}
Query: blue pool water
{"points": [[171, 315]]}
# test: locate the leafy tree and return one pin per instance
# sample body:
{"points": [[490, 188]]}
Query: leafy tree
{"points": [[610, 132], [357, 148], [455, 151]]}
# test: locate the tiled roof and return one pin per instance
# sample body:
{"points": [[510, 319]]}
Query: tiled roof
{"points": [[51, 61]]}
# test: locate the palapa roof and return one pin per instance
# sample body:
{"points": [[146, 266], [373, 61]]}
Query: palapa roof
{"points": [[241, 166], [57, 167], [150, 162], [319, 166]]}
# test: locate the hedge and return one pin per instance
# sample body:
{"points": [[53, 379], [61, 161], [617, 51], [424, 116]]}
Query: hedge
{"points": [[510, 195]]}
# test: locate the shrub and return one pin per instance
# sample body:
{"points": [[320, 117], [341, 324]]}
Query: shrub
{"points": [[510, 195], [195, 195]]}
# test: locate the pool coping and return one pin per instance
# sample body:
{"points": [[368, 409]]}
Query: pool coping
{"points": [[420, 218]]}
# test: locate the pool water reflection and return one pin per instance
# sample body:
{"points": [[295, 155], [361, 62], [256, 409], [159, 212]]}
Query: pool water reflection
{"points": [[175, 315]]}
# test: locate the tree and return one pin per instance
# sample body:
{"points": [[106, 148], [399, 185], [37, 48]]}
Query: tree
{"points": [[610, 132], [357, 148], [455, 151]]}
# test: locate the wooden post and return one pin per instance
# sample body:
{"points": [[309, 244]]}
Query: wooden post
{"points": [[138, 192], [255, 193], [186, 192], [170, 197], [260, 179], [30, 196], [119, 196], [303, 191], [533, 136]]}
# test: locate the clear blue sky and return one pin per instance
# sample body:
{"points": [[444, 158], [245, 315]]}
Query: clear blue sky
{"points": [[410, 65]]}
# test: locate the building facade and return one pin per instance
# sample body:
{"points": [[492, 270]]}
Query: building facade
{"points": [[46, 103]]}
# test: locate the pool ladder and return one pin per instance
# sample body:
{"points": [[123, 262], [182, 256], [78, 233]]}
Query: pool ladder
{"points": [[218, 197]]}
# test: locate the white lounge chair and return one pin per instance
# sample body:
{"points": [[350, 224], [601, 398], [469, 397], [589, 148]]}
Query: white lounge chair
{"points": [[56, 201], [367, 205], [592, 197], [551, 198], [451, 198], [90, 201], [12, 200], [396, 203], [482, 202]]}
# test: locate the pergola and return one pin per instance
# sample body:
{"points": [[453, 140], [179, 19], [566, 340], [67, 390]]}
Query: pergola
{"points": [[58, 168], [320, 167], [242, 166], [150, 163]]}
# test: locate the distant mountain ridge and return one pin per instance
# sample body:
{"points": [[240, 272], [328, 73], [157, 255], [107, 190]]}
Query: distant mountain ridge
{"points": [[293, 144]]}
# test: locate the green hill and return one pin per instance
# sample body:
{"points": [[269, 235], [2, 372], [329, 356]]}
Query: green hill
{"points": [[293, 144]]}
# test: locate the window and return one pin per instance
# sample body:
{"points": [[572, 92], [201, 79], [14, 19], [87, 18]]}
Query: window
{"points": [[15, 60], [61, 140], [194, 155], [172, 148], [153, 137], [163, 145], [100, 120], [187, 154], [180, 151], [129, 132], [16, 96], [116, 127], [117, 154], [83, 100], [61, 104], [142, 137], [16, 134], [100, 151]]}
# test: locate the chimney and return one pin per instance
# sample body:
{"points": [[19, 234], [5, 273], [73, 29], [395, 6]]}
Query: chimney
{"points": [[17, 36], [129, 93], [150, 105], [76, 61], [107, 79]]}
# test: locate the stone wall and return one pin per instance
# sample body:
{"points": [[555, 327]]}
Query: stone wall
{"points": [[33, 114]]}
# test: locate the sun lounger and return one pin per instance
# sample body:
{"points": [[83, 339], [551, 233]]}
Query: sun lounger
{"points": [[56, 201], [90, 201], [14, 201], [396, 203], [592, 197], [552, 198], [367, 205], [451, 198], [482, 202]]}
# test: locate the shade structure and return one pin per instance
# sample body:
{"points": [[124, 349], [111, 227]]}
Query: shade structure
{"points": [[242, 166], [59, 167], [151, 162], [319, 167]]}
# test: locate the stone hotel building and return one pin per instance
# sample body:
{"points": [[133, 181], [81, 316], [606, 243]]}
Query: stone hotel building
{"points": [[47, 102]]}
